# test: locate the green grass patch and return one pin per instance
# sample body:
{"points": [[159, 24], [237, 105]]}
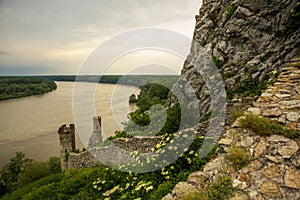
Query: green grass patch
{"points": [[264, 127], [235, 113], [238, 157]]}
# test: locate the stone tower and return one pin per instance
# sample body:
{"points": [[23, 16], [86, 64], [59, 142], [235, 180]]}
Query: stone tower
{"points": [[66, 143], [96, 137]]}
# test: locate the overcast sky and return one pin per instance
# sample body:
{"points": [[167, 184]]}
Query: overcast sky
{"points": [[55, 37]]}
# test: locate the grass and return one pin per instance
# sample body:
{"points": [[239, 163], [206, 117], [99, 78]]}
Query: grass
{"points": [[235, 113], [238, 157], [264, 127]]}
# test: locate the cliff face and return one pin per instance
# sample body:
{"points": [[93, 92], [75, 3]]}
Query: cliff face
{"points": [[249, 40]]}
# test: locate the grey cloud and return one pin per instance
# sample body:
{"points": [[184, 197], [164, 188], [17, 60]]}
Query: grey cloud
{"points": [[58, 25], [4, 52]]}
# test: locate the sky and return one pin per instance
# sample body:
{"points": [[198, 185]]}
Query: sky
{"points": [[56, 37]]}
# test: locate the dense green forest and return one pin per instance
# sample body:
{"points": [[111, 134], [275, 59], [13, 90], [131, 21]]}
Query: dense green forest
{"points": [[134, 80], [16, 87]]}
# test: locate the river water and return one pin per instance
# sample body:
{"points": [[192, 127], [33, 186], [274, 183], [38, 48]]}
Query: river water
{"points": [[30, 124]]}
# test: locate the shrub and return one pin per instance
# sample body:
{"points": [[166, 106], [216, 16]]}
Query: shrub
{"points": [[33, 171], [54, 164], [217, 61], [231, 9], [294, 20], [264, 127], [238, 157], [221, 189], [235, 113]]}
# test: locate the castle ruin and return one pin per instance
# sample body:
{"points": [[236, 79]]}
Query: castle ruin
{"points": [[70, 158], [96, 137], [66, 143]]}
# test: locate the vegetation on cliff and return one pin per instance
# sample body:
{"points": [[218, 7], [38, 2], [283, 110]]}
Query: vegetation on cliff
{"points": [[21, 171], [16, 87]]}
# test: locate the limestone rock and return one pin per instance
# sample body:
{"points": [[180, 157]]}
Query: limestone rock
{"points": [[274, 159], [240, 196], [292, 178], [270, 189], [182, 189], [278, 138], [168, 197], [254, 111], [260, 149], [214, 166], [225, 141], [197, 178], [272, 112], [237, 123], [296, 160], [293, 116], [288, 150], [272, 171]]}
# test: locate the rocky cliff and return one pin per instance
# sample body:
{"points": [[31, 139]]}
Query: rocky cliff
{"points": [[270, 167], [255, 45], [248, 40]]}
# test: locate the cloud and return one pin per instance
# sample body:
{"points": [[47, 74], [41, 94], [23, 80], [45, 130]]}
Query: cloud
{"points": [[3, 52], [65, 32]]}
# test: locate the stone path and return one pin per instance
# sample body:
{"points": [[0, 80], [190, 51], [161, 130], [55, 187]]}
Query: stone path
{"points": [[273, 172]]}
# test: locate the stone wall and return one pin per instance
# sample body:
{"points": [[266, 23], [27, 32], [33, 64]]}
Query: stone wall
{"points": [[81, 160], [273, 172], [281, 102], [142, 144], [113, 154]]}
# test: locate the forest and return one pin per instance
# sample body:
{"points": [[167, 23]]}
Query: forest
{"points": [[16, 87], [133, 80]]}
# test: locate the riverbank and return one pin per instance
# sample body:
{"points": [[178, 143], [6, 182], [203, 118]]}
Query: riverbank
{"points": [[17, 87]]}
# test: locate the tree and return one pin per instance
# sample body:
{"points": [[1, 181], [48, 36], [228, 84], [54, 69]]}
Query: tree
{"points": [[10, 172], [54, 165], [32, 172]]}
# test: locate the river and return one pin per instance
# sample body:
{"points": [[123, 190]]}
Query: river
{"points": [[30, 124]]}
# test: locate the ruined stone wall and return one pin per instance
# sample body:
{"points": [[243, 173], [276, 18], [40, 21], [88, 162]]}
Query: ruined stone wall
{"points": [[142, 144], [81, 160], [113, 153]]}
